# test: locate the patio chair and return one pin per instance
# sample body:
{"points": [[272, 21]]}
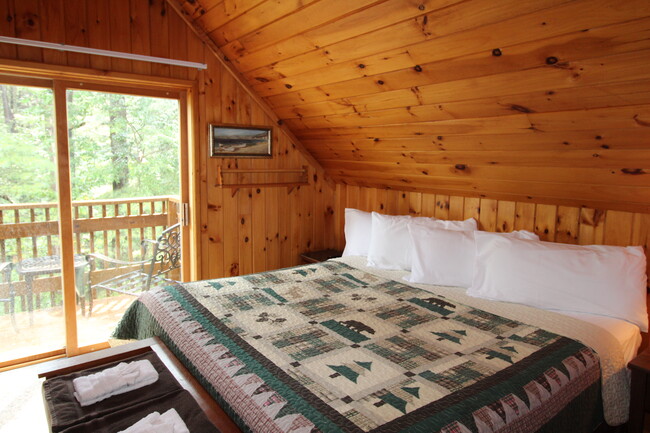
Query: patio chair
{"points": [[5, 271], [166, 257]]}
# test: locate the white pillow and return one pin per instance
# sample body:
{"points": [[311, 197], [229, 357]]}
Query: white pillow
{"points": [[446, 257], [596, 279], [357, 232], [390, 243]]}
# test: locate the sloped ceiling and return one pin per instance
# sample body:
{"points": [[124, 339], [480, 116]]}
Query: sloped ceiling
{"points": [[544, 100]]}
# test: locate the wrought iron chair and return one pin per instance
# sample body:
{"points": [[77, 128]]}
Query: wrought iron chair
{"points": [[5, 271], [165, 258]]}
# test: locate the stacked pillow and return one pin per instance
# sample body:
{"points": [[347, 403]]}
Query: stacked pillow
{"points": [[446, 257], [513, 267]]}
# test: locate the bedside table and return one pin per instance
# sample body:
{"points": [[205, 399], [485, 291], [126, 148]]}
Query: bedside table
{"points": [[639, 398], [320, 256]]}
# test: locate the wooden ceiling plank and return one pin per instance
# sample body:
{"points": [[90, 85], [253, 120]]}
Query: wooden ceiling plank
{"points": [[636, 93], [196, 9], [612, 69], [572, 98], [516, 30], [448, 20], [607, 118], [593, 139], [315, 14], [577, 175], [602, 196], [221, 12], [591, 176], [613, 159], [395, 69], [375, 17], [259, 16]]}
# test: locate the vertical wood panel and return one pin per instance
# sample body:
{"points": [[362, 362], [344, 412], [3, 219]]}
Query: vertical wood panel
{"points": [[506, 216], [488, 215], [51, 30], [525, 216], [442, 207], [141, 36], [618, 230], [28, 27], [456, 205], [244, 206], [415, 203], [472, 208], [428, 204], [545, 222], [567, 222], [99, 31]]}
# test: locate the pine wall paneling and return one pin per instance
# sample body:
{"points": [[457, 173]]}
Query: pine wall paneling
{"points": [[254, 229]]}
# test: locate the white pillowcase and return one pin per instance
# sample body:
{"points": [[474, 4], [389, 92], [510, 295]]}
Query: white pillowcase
{"points": [[446, 257], [390, 243], [357, 232], [596, 279]]}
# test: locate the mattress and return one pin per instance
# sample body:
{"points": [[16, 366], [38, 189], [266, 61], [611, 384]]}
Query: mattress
{"points": [[339, 347], [626, 333]]}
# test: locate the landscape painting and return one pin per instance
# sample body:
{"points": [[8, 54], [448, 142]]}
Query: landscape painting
{"points": [[235, 142]]}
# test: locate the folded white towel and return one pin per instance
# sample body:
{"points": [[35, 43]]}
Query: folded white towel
{"points": [[168, 422], [124, 377]]}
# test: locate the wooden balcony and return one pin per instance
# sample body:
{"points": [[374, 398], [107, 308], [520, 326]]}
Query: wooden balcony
{"points": [[114, 228]]}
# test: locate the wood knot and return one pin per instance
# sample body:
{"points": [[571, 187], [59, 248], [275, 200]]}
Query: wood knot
{"points": [[288, 86], [520, 108], [460, 166], [605, 146], [262, 79], [496, 52], [421, 7], [380, 82], [280, 121], [551, 60], [361, 66], [633, 171], [417, 68]]}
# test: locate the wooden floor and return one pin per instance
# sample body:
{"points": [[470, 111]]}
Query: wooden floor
{"points": [[47, 332]]}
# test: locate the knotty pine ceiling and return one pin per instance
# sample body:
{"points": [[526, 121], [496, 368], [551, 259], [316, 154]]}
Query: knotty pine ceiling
{"points": [[542, 100]]}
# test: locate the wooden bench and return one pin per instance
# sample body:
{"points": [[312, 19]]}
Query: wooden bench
{"points": [[211, 409]]}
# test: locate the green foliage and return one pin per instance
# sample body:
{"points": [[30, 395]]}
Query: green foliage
{"points": [[120, 145]]}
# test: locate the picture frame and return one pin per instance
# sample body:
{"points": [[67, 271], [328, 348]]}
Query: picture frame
{"points": [[235, 141]]}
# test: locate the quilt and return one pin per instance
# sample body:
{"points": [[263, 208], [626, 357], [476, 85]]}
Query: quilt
{"points": [[331, 348]]}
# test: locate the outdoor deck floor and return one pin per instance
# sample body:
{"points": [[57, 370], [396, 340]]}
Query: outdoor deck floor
{"points": [[48, 332]]}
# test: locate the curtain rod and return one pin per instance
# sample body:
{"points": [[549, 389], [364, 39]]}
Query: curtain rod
{"points": [[98, 52]]}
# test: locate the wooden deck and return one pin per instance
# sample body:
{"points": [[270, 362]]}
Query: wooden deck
{"points": [[47, 332]]}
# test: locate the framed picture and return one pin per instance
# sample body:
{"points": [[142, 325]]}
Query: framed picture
{"points": [[230, 141]]}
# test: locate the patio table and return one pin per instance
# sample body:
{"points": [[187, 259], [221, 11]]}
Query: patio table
{"points": [[29, 268]]}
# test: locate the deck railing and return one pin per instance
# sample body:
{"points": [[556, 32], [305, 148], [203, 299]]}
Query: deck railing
{"points": [[114, 228]]}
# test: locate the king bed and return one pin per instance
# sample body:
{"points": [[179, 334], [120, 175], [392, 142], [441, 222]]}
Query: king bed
{"points": [[341, 346]]}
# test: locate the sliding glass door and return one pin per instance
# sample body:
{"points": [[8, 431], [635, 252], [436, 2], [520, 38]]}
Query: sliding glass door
{"points": [[90, 186], [124, 168], [31, 299]]}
